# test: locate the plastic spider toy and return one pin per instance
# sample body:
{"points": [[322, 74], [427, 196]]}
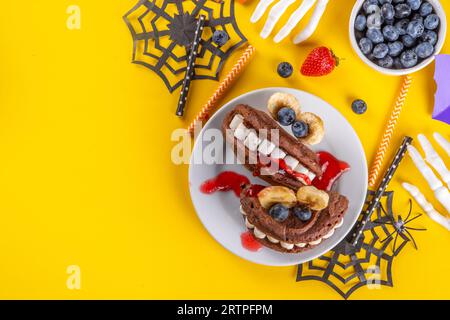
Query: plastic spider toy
{"points": [[400, 227]]}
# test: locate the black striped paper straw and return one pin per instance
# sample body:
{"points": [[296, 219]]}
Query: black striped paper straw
{"points": [[190, 66], [381, 189]]}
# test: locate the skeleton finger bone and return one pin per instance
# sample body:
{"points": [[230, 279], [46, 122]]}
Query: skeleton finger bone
{"points": [[313, 23], [433, 158], [442, 142], [441, 193], [294, 19], [274, 15], [260, 9], [426, 206]]}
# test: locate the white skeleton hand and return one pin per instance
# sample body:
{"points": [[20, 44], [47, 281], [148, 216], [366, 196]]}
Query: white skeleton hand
{"points": [[440, 190], [277, 11]]}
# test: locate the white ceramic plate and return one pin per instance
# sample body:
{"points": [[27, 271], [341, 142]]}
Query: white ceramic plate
{"points": [[219, 212]]}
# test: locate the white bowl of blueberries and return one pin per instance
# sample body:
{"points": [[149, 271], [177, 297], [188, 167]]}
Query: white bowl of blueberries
{"points": [[397, 37]]}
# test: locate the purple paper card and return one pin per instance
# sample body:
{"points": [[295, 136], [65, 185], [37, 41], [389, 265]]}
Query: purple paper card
{"points": [[441, 110]]}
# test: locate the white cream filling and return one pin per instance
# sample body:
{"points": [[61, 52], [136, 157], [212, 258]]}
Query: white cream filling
{"points": [[265, 147], [248, 224], [258, 233], [289, 246]]}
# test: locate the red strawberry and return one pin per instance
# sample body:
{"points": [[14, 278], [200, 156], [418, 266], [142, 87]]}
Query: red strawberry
{"points": [[321, 61]]}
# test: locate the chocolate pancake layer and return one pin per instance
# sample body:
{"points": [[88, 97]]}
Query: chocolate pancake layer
{"points": [[293, 230], [259, 120]]}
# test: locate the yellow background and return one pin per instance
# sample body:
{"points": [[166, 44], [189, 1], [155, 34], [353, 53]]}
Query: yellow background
{"points": [[85, 171]]}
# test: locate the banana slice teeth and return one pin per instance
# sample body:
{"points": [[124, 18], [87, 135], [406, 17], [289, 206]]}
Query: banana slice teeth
{"points": [[312, 197], [241, 132], [266, 147], [237, 120], [277, 153], [291, 162]]}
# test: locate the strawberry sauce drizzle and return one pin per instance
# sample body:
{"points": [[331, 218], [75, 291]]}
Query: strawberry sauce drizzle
{"points": [[267, 162], [225, 181], [332, 169], [249, 242]]}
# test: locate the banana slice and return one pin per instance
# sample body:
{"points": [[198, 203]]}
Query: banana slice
{"points": [[277, 194], [279, 100], [312, 197], [316, 129]]}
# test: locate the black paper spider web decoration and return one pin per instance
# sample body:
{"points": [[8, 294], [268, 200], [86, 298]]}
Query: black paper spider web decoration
{"points": [[346, 268], [162, 31]]}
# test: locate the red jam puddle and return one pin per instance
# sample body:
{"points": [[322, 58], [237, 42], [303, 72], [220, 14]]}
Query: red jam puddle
{"points": [[225, 181], [332, 169], [249, 242]]}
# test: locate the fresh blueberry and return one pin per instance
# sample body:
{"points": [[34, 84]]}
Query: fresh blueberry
{"points": [[286, 116], [300, 129], [374, 21], [417, 16], [386, 62], [401, 26], [359, 106], [397, 1], [279, 212], [408, 41], [369, 6], [425, 9], [415, 28], [375, 35], [414, 4], [380, 50], [424, 50], [431, 22], [395, 48], [409, 59], [388, 11], [303, 213], [384, 1], [389, 22], [397, 63], [390, 33], [220, 37], [360, 22], [365, 45], [285, 69], [402, 10], [429, 36]]}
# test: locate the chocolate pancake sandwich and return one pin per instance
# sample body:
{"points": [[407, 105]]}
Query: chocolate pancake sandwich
{"points": [[267, 150], [289, 221]]}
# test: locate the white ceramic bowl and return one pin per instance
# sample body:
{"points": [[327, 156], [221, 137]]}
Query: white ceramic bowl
{"points": [[397, 72]]}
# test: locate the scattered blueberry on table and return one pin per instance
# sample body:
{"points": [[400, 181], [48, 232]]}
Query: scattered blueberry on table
{"points": [[220, 37], [397, 34], [303, 213], [300, 129], [279, 212], [286, 116], [285, 69], [359, 106]]}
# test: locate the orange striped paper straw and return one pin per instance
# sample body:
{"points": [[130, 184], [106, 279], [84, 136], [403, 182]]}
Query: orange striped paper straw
{"points": [[389, 131], [234, 73]]}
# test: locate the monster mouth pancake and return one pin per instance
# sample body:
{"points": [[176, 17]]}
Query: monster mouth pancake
{"points": [[276, 157], [305, 220]]}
